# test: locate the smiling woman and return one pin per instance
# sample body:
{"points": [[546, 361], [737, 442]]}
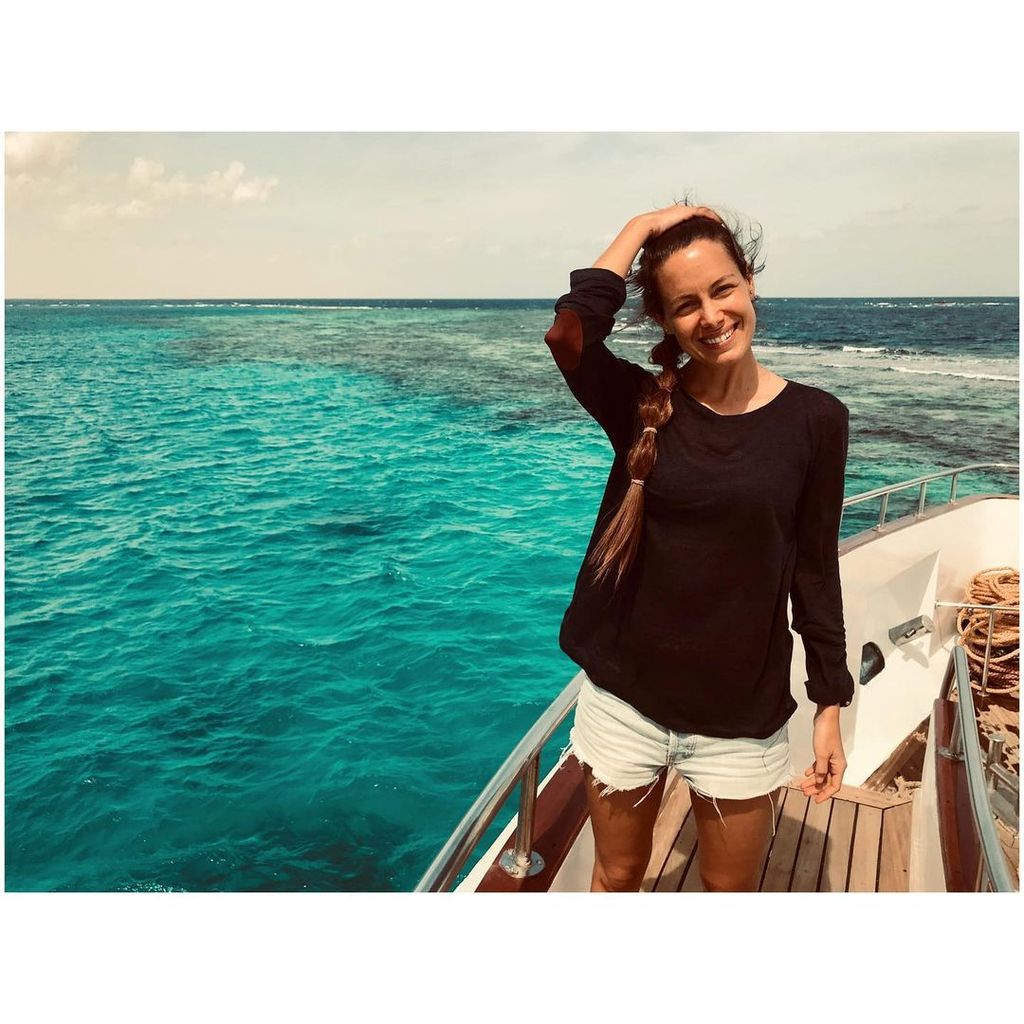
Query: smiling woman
{"points": [[724, 499]]}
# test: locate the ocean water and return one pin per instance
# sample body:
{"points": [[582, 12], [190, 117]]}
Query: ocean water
{"points": [[284, 578]]}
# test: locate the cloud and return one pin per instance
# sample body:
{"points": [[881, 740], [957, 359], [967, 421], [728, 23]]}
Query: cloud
{"points": [[171, 190], [146, 177], [230, 185], [221, 184], [255, 190], [134, 209], [29, 153], [143, 173], [39, 164], [76, 216], [149, 190]]}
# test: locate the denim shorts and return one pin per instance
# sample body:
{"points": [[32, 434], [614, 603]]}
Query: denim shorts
{"points": [[626, 750]]}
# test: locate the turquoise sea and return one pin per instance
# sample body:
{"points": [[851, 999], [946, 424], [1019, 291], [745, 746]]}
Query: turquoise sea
{"points": [[284, 578]]}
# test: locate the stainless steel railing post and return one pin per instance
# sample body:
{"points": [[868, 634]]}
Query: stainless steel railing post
{"points": [[956, 738], [988, 651], [947, 678], [993, 757], [520, 860], [451, 859]]}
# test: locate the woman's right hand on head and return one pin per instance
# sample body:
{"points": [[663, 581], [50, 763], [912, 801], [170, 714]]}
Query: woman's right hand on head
{"points": [[658, 221]]}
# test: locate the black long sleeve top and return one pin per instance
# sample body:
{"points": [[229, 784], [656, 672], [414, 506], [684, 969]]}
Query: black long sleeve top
{"points": [[741, 513]]}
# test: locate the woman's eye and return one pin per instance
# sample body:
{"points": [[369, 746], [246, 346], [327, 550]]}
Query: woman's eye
{"points": [[689, 307]]}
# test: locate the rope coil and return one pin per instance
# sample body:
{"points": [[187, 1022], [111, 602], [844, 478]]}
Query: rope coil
{"points": [[1000, 585]]}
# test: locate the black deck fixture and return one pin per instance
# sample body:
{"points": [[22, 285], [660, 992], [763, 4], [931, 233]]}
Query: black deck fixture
{"points": [[871, 662]]}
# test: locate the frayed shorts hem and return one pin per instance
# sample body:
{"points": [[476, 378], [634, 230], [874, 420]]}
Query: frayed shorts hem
{"points": [[714, 769], [648, 787]]}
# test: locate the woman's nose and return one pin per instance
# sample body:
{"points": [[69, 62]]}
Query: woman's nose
{"points": [[709, 314]]}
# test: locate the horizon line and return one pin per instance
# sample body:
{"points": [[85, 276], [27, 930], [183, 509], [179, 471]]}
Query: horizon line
{"points": [[443, 298]]}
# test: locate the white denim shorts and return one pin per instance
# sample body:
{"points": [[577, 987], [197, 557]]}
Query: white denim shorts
{"points": [[627, 750]]}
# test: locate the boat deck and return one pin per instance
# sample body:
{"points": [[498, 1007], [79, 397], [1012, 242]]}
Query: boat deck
{"points": [[857, 841]]}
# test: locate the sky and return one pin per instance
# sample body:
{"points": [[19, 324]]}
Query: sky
{"points": [[494, 214]]}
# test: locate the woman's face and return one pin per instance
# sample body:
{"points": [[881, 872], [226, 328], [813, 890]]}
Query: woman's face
{"points": [[707, 303]]}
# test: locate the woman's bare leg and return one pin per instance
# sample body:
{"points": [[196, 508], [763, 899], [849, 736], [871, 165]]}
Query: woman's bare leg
{"points": [[623, 834], [732, 854]]}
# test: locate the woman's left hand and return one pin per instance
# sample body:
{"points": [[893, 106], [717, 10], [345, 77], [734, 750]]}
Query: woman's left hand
{"points": [[825, 776]]}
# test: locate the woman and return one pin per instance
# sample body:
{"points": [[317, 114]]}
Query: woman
{"points": [[723, 502]]}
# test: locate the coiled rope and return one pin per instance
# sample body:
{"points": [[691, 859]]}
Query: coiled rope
{"points": [[1000, 585]]}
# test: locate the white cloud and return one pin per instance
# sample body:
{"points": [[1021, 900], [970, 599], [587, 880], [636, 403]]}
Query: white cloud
{"points": [[133, 210], [29, 153], [38, 164], [143, 172], [171, 190], [229, 184], [147, 178], [221, 184], [255, 190], [150, 189]]}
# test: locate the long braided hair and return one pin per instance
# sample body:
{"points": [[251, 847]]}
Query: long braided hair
{"points": [[618, 545]]}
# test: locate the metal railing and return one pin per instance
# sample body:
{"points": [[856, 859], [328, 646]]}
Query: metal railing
{"points": [[964, 745], [523, 763], [991, 609], [921, 482]]}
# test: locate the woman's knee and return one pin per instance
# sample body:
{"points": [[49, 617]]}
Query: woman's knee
{"points": [[717, 882], [622, 874]]}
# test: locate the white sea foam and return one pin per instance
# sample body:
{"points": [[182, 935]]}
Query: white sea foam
{"points": [[938, 304], [249, 305], [284, 305], [778, 346], [952, 373], [864, 348]]}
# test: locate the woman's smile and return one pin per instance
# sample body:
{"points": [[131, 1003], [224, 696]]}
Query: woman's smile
{"points": [[720, 339]]}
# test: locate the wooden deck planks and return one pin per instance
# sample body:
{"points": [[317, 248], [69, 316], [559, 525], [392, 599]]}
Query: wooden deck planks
{"points": [[691, 880], [678, 860], [675, 803], [894, 855], [782, 854], [855, 842], [867, 834], [812, 847], [835, 868]]}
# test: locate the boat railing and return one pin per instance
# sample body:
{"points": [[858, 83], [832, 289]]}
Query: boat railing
{"points": [[522, 764], [921, 482], [964, 745]]}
